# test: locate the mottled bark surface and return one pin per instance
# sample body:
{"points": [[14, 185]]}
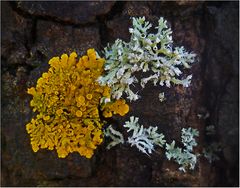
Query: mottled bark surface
{"points": [[33, 32]]}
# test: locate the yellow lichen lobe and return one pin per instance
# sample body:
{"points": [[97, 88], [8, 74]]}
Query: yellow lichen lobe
{"points": [[118, 107], [79, 113]]}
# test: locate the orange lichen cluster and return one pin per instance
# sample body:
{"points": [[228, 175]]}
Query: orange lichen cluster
{"points": [[67, 99], [118, 107]]}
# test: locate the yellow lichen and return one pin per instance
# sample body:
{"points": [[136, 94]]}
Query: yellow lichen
{"points": [[67, 100], [118, 107]]}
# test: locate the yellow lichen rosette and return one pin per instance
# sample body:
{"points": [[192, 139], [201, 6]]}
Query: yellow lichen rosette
{"points": [[67, 101]]}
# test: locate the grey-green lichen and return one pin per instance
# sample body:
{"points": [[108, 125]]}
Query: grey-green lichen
{"points": [[184, 156], [147, 139], [152, 53], [158, 61], [143, 138], [115, 135]]}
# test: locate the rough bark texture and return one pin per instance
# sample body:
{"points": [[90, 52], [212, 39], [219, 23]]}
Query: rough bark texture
{"points": [[33, 32]]}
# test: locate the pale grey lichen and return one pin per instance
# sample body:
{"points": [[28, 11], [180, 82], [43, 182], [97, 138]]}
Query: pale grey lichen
{"points": [[188, 139], [146, 139], [143, 138], [161, 97], [115, 135], [152, 53], [184, 156]]}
